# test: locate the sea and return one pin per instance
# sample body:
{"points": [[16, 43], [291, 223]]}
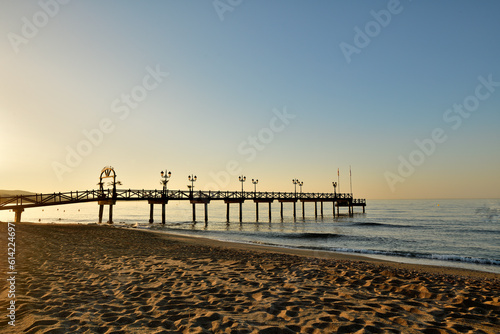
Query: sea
{"points": [[461, 233]]}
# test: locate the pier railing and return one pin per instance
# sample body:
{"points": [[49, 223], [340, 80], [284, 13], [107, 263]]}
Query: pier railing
{"points": [[109, 197], [50, 199], [26, 201]]}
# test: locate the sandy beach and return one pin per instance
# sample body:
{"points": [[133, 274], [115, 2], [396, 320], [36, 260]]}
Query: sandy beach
{"points": [[104, 279]]}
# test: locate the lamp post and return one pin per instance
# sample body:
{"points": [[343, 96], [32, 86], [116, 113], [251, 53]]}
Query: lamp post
{"points": [[255, 198], [295, 182], [255, 185], [242, 179], [164, 180], [192, 179], [334, 188], [303, 210]]}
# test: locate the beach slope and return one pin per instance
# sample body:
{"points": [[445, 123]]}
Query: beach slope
{"points": [[103, 279]]}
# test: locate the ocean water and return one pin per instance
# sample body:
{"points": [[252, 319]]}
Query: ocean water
{"points": [[459, 233]]}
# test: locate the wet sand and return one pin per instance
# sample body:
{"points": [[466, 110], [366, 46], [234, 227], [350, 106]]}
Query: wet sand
{"points": [[103, 279]]}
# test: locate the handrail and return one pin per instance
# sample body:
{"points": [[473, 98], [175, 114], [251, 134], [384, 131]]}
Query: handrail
{"points": [[9, 202]]}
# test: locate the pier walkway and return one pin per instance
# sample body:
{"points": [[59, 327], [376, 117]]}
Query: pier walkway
{"points": [[110, 196]]}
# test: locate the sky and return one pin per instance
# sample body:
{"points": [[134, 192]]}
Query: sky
{"points": [[404, 94]]}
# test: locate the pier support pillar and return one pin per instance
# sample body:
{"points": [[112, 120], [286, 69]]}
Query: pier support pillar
{"points": [[363, 209], [316, 210], [241, 212], [334, 209], [257, 211], [270, 211], [322, 209], [110, 221], [163, 213], [101, 212], [17, 217], [281, 210], [206, 212], [194, 212], [303, 211], [151, 211], [227, 212], [294, 210]]}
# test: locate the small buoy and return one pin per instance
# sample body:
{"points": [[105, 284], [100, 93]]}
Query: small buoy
{"points": [[438, 204]]}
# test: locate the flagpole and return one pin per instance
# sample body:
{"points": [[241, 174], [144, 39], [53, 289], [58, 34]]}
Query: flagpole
{"points": [[350, 177], [338, 178]]}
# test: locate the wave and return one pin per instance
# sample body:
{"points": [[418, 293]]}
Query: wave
{"points": [[468, 259], [441, 257], [484, 231], [380, 224], [373, 224], [312, 235], [236, 235]]}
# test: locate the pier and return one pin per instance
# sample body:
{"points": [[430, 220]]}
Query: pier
{"points": [[110, 197]]}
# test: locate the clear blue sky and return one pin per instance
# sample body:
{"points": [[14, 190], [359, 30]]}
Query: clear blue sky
{"points": [[272, 90]]}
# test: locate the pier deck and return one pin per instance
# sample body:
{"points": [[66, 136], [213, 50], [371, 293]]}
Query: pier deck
{"points": [[110, 196]]}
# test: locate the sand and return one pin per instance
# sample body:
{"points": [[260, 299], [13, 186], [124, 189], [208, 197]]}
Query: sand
{"points": [[102, 279]]}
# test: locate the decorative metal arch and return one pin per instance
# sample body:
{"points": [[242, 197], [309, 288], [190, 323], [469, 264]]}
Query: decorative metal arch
{"points": [[107, 172]]}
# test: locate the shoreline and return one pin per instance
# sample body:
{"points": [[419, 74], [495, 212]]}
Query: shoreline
{"points": [[378, 240], [78, 278], [441, 266], [325, 254]]}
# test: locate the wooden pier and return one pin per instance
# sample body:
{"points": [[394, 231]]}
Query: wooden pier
{"points": [[109, 197]]}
